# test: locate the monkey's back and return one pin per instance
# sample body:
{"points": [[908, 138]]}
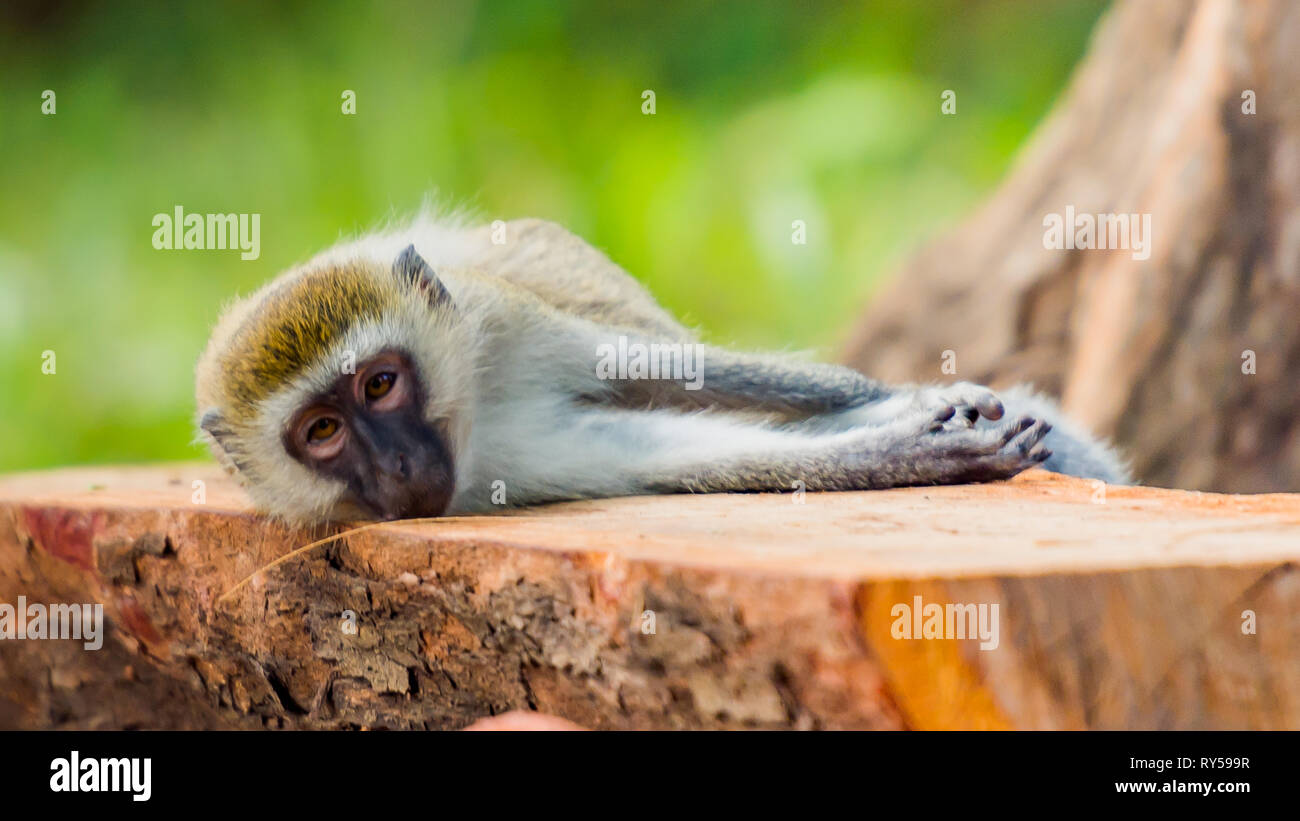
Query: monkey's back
{"points": [[571, 276]]}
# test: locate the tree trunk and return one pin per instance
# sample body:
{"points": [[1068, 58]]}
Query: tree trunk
{"points": [[1156, 352], [1115, 608]]}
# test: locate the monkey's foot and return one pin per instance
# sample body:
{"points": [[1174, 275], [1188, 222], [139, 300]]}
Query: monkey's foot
{"points": [[966, 400], [969, 401]]}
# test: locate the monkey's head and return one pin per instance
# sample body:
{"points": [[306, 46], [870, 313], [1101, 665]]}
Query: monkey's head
{"points": [[338, 391]]}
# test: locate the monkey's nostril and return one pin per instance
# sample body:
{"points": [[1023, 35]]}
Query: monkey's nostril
{"points": [[401, 466]]}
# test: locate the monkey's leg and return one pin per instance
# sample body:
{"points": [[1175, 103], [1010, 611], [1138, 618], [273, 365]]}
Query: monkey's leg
{"points": [[971, 402], [691, 375]]}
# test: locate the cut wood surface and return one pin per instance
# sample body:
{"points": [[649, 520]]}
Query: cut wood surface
{"points": [[1117, 608]]}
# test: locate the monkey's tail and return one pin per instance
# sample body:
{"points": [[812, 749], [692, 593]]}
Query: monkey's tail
{"points": [[1075, 451]]}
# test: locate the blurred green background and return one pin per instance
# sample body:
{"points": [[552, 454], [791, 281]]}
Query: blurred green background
{"points": [[767, 112]]}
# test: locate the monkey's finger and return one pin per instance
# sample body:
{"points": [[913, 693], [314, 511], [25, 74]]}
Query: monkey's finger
{"points": [[1025, 440], [1011, 430]]}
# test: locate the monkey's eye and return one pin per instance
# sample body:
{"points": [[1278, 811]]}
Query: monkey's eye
{"points": [[378, 386], [322, 429]]}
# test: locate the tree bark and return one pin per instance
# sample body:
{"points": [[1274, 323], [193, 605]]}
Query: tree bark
{"points": [[1116, 608], [1153, 352]]}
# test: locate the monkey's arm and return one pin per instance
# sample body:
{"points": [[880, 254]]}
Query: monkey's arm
{"points": [[606, 452], [920, 449]]}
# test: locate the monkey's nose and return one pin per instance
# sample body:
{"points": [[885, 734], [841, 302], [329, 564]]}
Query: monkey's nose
{"points": [[391, 463], [403, 489], [407, 482]]}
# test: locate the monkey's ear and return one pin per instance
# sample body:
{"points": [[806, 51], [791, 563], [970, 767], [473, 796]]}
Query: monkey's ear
{"points": [[411, 267], [214, 425], [222, 437]]}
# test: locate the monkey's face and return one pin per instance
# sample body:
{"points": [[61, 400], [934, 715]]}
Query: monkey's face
{"points": [[368, 431], [341, 390]]}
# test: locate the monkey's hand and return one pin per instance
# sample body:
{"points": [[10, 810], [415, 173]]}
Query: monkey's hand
{"points": [[945, 448]]}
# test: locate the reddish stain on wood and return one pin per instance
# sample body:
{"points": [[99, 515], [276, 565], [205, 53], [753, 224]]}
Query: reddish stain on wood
{"points": [[138, 623], [64, 534]]}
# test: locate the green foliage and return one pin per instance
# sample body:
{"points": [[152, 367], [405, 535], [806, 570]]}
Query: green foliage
{"points": [[767, 112]]}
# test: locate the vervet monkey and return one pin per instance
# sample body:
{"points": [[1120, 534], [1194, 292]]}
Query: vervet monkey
{"points": [[427, 370]]}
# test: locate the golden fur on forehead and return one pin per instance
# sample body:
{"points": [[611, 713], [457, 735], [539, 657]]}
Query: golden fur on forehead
{"points": [[297, 322]]}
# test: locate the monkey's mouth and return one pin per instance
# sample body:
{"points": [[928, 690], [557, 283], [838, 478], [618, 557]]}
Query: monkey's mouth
{"points": [[351, 509], [413, 498]]}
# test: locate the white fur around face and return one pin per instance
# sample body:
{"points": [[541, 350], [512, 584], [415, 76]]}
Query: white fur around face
{"points": [[298, 493]]}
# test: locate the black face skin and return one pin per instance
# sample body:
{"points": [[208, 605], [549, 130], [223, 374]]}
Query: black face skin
{"points": [[368, 430]]}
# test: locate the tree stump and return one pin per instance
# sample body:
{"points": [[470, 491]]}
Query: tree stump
{"points": [[1116, 608], [1188, 112]]}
